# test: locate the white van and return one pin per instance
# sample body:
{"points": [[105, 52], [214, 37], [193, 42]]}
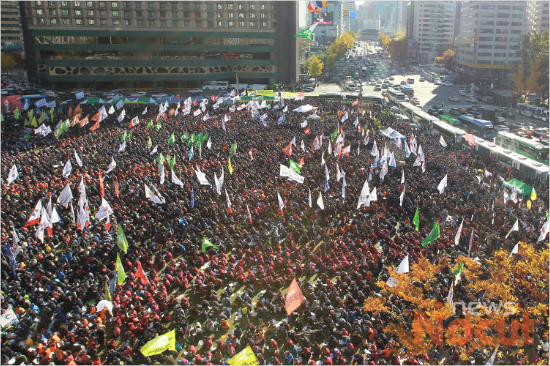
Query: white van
{"points": [[403, 119]]}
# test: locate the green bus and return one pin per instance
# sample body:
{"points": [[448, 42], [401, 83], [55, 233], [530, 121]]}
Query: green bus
{"points": [[450, 120], [522, 146]]}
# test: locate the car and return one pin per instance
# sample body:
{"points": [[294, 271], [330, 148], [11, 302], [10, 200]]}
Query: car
{"points": [[377, 88], [508, 115], [51, 94], [471, 100], [391, 78], [193, 91], [500, 120], [447, 83], [454, 99], [454, 112], [415, 101], [384, 86], [502, 128], [159, 96], [139, 94], [472, 109], [462, 92], [403, 82], [422, 78], [463, 110]]}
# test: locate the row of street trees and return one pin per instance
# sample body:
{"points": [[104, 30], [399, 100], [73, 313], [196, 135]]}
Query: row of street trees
{"points": [[325, 62], [532, 71]]}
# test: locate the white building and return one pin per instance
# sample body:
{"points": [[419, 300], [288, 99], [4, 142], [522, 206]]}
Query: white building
{"points": [[537, 16], [488, 39], [433, 27]]}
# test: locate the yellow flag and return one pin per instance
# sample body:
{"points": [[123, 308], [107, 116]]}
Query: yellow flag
{"points": [[229, 167], [529, 204], [107, 293], [533, 195], [160, 344], [245, 357], [33, 122]]}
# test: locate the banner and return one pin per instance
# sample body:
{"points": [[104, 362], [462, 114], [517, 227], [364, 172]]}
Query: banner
{"points": [[11, 102], [160, 344], [260, 92], [10, 318], [245, 357], [294, 297]]}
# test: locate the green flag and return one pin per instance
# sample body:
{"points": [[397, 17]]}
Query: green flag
{"points": [[66, 125], [164, 342], [416, 219], [123, 137], [149, 143], [129, 135], [334, 135], [171, 139], [42, 117], [121, 239], [15, 113], [27, 123], [433, 236], [159, 126], [198, 143], [457, 269], [107, 293], [206, 243], [172, 163], [160, 159], [294, 166], [121, 275], [233, 149], [26, 137], [150, 125], [51, 113], [184, 137], [306, 33], [31, 113]]}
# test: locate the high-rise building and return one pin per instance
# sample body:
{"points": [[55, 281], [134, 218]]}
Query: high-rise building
{"points": [[433, 24], [489, 38], [329, 23], [176, 44], [12, 34], [350, 17], [537, 16]]}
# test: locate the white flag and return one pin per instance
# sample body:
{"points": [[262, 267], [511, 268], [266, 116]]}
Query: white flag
{"points": [[457, 237], [320, 201], [303, 146], [134, 122], [323, 158], [450, 296], [515, 250], [294, 141], [366, 140], [442, 185], [67, 169], [35, 216], [175, 180], [544, 231], [417, 161], [122, 146], [13, 174], [201, 177], [310, 203], [514, 228], [281, 202], [104, 210], [338, 175], [374, 151], [284, 171], [120, 104], [402, 176], [329, 148], [154, 150], [79, 95], [401, 197], [471, 242], [144, 111], [209, 144], [220, 182], [157, 198], [228, 201], [77, 158], [66, 196], [54, 217], [442, 141], [102, 114], [295, 176], [491, 360], [402, 268], [111, 110], [111, 166], [161, 167], [121, 116], [344, 187]]}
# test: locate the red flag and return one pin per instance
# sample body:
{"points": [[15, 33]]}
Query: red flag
{"points": [[77, 110], [178, 96], [250, 154], [340, 113], [94, 127], [108, 224], [249, 216], [307, 131], [101, 186], [345, 150], [70, 113], [195, 102], [470, 139], [301, 163], [83, 122], [300, 94], [116, 186], [294, 297], [95, 117], [141, 275], [355, 103], [288, 149], [359, 128], [75, 120]]}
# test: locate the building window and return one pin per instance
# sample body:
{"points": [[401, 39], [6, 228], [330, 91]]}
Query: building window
{"points": [[230, 24], [273, 7], [163, 23], [241, 6], [503, 15], [230, 7], [500, 47], [241, 15], [175, 23], [263, 24], [262, 7], [220, 24], [138, 5], [499, 55], [485, 38], [51, 3], [139, 23], [115, 22], [517, 15], [174, 14], [53, 21], [163, 14], [273, 24], [503, 23], [76, 3], [252, 24], [484, 54], [102, 22], [150, 5], [209, 16], [219, 15], [151, 14], [263, 16], [102, 4], [501, 31], [39, 20], [230, 15], [517, 24], [251, 7], [162, 6], [39, 11], [102, 13], [65, 12], [501, 39], [487, 15], [515, 39], [487, 22], [174, 6], [517, 8], [197, 6], [516, 31], [503, 7], [139, 13], [90, 13], [78, 21], [197, 15], [186, 6], [151, 23], [486, 31], [197, 23], [78, 13], [66, 21], [251, 16], [186, 23], [115, 13], [487, 6], [186, 14], [209, 7], [114, 4], [125, 4], [483, 46], [91, 21], [89, 4], [219, 6], [64, 3], [126, 14], [127, 22], [273, 16], [52, 12], [210, 24], [241, 24]]}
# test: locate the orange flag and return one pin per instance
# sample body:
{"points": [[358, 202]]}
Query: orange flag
{"points": [[288, 149], [470, 139], [70, 113], [101, 186], [116, 186], [294, 297], [94, 127], [75, 120], [77, 110], [83, 122], [141, 275], [95, 116]]}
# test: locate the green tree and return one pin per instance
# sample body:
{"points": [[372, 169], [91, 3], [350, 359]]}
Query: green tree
{"points": [[522, 70], [398, 49], [7, 62], [315, 66]]}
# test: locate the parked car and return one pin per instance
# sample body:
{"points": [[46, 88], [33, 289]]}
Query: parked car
{"points": [[500, 120], [447, 83], [377, 88], [454, 99], [463, 110], [502, 128], [422, 78], [159, 96], [403, 82], [193, 91], [454, 112], [471, 100], [391, 77], [415, 101]]}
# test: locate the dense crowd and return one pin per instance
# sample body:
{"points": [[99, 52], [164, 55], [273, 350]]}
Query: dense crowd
{"points": [[223, 299]]}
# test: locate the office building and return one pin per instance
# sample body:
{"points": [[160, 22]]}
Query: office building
{"points": [[174, 44], [433, 25], [12, 34], [328, 22], [537, 16], [489, 38]]}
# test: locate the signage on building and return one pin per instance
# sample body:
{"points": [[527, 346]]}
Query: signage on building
{"points": [[346, 13]]}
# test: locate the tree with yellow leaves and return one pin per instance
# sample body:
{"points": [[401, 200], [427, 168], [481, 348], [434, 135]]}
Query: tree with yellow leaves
{"points": [[494, 299]]}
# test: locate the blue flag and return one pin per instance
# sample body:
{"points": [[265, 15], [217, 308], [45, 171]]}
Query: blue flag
{"points": [[281, 119], [192, 198], [191, 153]]}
